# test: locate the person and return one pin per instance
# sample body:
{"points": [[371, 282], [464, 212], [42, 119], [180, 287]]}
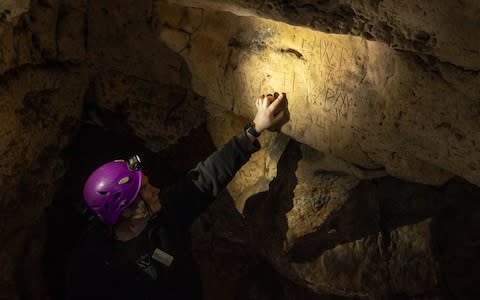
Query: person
{"points": [[138, 245]]}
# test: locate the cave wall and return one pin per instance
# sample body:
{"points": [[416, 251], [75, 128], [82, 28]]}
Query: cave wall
{"points": [[357, 100], [442, 29], [42, 83], [365, 109], [391, 90], [137, 77]]}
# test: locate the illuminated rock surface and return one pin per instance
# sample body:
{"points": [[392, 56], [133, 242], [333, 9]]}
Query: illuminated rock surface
{"points": [[360, 101], [394, 91], [436, 28]]}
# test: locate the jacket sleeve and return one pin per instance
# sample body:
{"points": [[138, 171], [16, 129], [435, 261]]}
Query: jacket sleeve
{"points": [[192, 195], [212, 175]]}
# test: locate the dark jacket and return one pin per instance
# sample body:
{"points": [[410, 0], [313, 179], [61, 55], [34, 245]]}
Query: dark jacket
{"points": [[105, 268]]}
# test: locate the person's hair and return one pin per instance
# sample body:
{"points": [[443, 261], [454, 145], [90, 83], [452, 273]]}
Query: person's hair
{"points": [[137, 210]]}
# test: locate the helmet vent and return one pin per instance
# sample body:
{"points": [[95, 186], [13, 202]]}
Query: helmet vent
{"points": [[124, 180], [102, 193], [116, 196]]}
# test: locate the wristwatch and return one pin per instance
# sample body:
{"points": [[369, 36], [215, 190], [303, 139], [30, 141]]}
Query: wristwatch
{"points": [[250, 128]]}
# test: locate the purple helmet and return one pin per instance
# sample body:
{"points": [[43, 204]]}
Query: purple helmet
{"points": [[111, 188]]}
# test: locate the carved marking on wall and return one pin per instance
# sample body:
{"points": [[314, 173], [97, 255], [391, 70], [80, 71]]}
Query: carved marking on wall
{"points": [[297, 53], [293, 82], [341, 56]]}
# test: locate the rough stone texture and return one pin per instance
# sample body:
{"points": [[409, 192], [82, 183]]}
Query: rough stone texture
{"points": [[377, 239], [360, 269], [12, 9], [255, 176], [42, 84], [41, 108], [355, 240], [445, 29], [159, 114], [300, 221], [136, 77], [360, 101], [50, 30]]}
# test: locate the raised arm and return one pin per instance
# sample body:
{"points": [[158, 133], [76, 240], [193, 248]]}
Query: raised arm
{"points": [[213, 174], [193, 195]]}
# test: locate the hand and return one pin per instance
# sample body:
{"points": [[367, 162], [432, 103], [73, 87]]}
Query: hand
{"points": [[272, 112]]}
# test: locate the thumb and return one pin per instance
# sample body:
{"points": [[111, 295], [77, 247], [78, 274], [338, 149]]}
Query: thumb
{"points": [[279, 116]]}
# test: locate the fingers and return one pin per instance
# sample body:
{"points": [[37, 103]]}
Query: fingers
{"points": [[270, 98], [278, 103], [262, 102], [258, 102], [275, 102]]}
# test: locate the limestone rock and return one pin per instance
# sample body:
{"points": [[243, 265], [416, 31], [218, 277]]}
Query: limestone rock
{"points": [[159, 114], [10, 10], [41, 109], [71, 30], [256, 174], [367, 239], [39, 31], [357, 100], [436, 28], [318, 196], [137, 78], [122, 40], [359, 269], [397, 96]]}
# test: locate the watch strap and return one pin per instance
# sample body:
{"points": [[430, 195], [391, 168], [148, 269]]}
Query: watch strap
{"points": [[250, 128]]}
